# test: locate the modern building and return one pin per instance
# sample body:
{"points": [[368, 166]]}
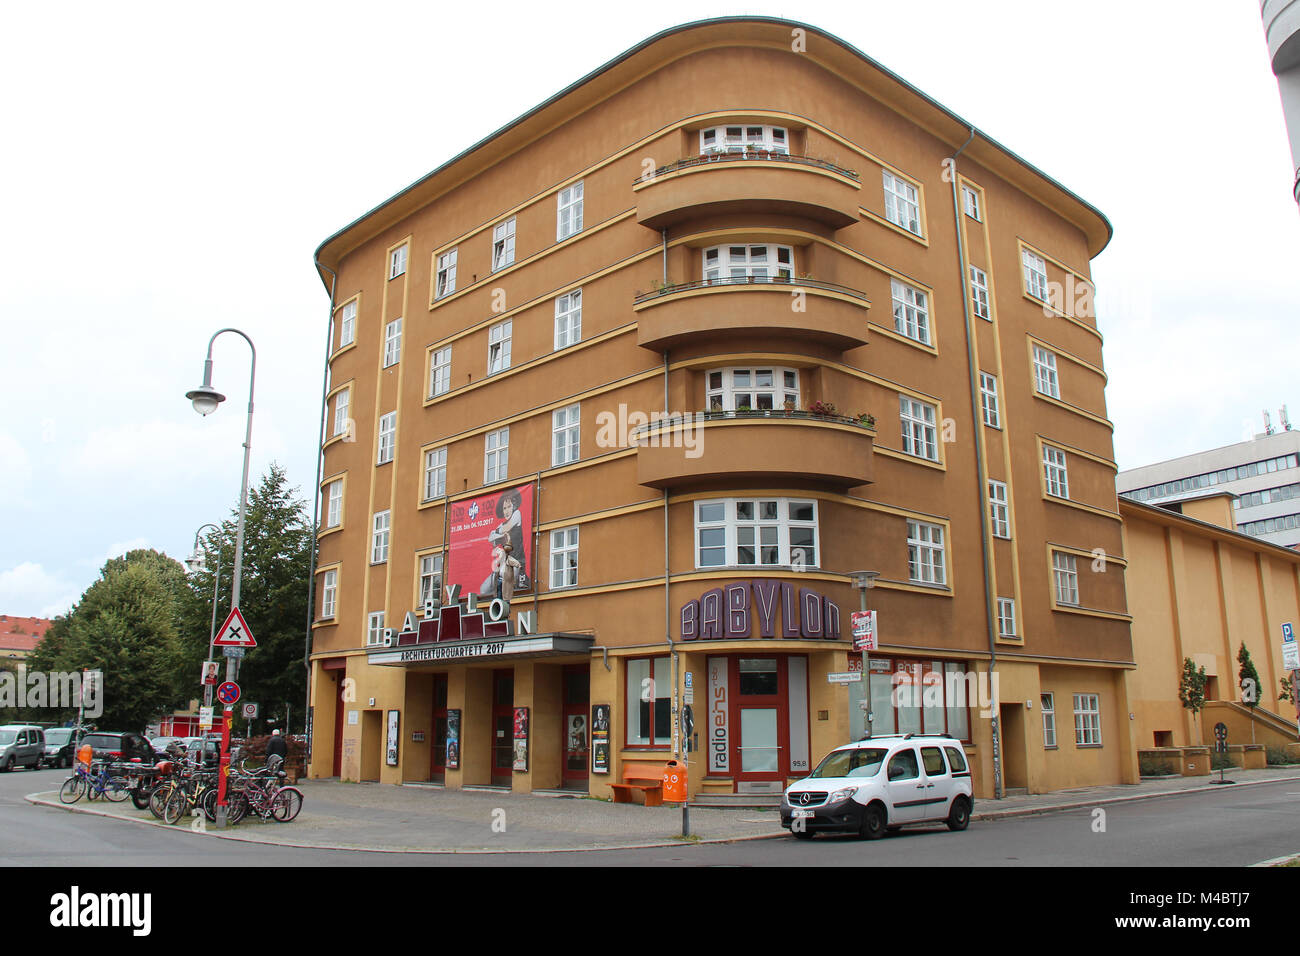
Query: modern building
{"points": [[1262, 474], [20, 635], [654, 369], [1282, 30]]}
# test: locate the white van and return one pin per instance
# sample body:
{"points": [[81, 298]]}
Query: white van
{"points": [[21, 745], [880, 784]]}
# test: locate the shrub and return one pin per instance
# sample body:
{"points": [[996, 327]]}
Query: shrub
{"points": [[1278, 756], [1153, 767]]}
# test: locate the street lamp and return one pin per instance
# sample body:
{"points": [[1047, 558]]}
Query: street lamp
{"points": [[864, 581], [197, 562], [206, 399]]}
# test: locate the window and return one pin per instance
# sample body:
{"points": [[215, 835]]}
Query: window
{"points": [[753, 263], [649, 692], [919, 434], [1087, 720], [999, 514], [379, 539], [911, 311], [770, 532], [568, 218], [568, 319], [1054, 473], [329, 588], [925, 561], [435, 473], [387, 437], [901, 206], [342, 424], [989, 399], [564, 558], [735, 139], [1067, 578], [446, 279], [1006, 617], [1035, 274], [496, 455], [440, 372], [1045, 379], [971, 200], [334, 510], [393, 343], [979, 293], [430, 578], [730, 389], [503, 244], [1047, 702], [397, 262], [499, 347], [565, 432], [375, 628], [348, 324]]}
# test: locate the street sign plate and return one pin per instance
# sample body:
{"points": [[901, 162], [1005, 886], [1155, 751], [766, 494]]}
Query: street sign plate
{"points": [[1291, 655], [235, 632], [1288, 632], [249, 710], [205, 717], [234, 653], [844, 677], [228, 693]]}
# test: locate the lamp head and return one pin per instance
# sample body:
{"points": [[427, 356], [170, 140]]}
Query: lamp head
{"points": [[196, 561], [205, 399], [862, 580]]}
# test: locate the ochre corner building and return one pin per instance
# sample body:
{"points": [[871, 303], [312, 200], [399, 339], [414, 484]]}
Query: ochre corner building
{"points": [[870, 327]]}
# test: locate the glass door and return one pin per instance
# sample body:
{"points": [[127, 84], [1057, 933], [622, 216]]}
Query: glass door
{"points": [[576, 747], [438, 748], [762, 745], [503, 728]]}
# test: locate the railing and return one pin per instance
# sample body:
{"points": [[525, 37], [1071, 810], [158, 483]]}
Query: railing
{"points": [[672, 287], [865, 422], [749, 155]]}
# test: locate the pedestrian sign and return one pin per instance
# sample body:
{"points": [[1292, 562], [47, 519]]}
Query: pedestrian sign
{"points": [[235, 632]]}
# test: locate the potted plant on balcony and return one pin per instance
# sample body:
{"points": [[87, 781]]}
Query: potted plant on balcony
{"points": [[788, 405], [866, 420], [822, 409]]}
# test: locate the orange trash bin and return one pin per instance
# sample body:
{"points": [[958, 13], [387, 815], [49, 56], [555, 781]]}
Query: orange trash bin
{"points": [[675, 782]]}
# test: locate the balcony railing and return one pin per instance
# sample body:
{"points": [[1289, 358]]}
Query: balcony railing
{"points": [[672, 287], [866, 422], [749, 155]]}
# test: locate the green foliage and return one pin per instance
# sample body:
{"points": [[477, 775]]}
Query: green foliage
{"points": [[1153, 766], [1246, 673], [1220, 761], [1191, 689], [1285, 692], [1278, 756]]}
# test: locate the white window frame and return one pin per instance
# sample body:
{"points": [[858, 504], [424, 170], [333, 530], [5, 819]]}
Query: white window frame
{"points": [[1056, 475], [375, 628], [435, 473], [971, 203], [902, 202], [341, 402], [1047, 703], [989, 400], [999, 509], [1035, 269], [393, 343], [328, 593], [499, 337], [348, 323], [979, 293], [568, 212], [496, 455], [568, 319], [1065, 573], [926, 554], [735, 137], [445, 282], [722, 389], [381, 529], [748, 532], [440, 371], [430, 577], [503, 244], [744, 263], [564, 558], [911, 311], [1045, 377], [334, 503], [1087, 720], [566, 431], [397, 261], [1006, 617], [920, 431], [387, 438]]}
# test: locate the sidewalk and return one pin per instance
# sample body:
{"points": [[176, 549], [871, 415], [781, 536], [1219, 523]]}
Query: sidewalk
{"points": [[386, 818]]}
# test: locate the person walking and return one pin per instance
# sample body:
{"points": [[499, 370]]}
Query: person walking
{"points": [[276, 747]]}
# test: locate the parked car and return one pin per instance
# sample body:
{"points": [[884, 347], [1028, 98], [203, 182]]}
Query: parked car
{"points": [[115, 746], [21, 745], [881, 784], [59, 744]]}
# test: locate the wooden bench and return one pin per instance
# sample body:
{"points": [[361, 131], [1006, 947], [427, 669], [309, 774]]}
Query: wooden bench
{"points": [[639, 777]]}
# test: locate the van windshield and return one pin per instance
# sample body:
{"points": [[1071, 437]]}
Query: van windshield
{"points": [[859, 762], [8, 736]]}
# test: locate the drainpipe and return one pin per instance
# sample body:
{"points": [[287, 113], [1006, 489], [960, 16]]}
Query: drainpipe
{"points": [[980, 468], [668, 624]]}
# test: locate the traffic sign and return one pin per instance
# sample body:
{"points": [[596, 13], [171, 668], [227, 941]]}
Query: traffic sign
{"points": [[1290, 649], [233, 653], [1288, 632], [235, 632], [250, 710], [1221, 737], [228, 693]]}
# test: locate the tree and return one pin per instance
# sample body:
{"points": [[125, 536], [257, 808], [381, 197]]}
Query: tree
{"points": [[1191, 689], [1248, 681]]}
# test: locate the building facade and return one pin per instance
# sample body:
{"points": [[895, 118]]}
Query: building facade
{"points": [[20, 635], [620, 397]]}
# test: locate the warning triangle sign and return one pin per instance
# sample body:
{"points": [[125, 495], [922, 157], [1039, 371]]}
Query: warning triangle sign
{"points": [[235, 632]]}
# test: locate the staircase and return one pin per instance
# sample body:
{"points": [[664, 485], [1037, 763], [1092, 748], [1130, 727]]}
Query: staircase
{"points": [[1270, 729]]}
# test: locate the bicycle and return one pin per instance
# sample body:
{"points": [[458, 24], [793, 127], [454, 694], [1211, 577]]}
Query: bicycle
{"points": [[107, 783]]}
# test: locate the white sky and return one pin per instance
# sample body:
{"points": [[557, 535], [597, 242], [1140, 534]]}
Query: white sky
{"points": [[169, 169]]}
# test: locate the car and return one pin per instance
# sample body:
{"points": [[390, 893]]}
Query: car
{"points": [[880, 784], [59, 745], [21, 745], [119, 747]]}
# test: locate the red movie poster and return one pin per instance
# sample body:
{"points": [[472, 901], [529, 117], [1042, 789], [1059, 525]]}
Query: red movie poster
{"points": [[479, 530]]}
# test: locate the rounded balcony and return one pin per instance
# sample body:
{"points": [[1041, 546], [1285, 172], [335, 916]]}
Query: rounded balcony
{"points": [[777, 445], [802, 309], [750, 181]]}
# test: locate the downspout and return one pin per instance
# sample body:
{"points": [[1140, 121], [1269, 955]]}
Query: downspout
{"points": [[668, 625], [980, 468]]}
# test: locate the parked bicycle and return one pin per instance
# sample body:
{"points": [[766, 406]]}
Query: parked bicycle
{"points": [[102, 780]]}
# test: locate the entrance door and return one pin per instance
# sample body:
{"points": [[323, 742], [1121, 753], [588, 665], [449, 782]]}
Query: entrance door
{"points": [[762, 722], [338, 723], [438, 751], [503, 727], [575, 752]]}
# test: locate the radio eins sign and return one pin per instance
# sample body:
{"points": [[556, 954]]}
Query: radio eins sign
{"points": [[750, 609]]}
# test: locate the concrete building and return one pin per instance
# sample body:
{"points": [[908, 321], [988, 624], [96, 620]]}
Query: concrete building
{"points": [[620, 397], [1262, 474], [1282, 30]]}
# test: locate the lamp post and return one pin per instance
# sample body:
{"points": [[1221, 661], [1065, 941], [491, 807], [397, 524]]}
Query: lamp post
{"points": [[864, 581], [197, 562], [206, 399]]}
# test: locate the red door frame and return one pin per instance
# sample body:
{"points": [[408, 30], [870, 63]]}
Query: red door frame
{"points": [[568, 710], [338, 723], [502, 712], [780, 701]]}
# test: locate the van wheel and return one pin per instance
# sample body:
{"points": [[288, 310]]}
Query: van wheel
{"points": [[959, 815], [9, 764], [873, 822], [40, 762]]}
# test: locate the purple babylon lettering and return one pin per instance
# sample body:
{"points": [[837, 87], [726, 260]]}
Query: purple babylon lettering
{"points": [[737, 610], [690, 620], [711, 614], [789, 611], [831, 616], [810, 606], [765, 606]]}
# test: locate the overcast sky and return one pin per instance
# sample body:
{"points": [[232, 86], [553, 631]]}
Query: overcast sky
{"points": [[169, 169]]}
